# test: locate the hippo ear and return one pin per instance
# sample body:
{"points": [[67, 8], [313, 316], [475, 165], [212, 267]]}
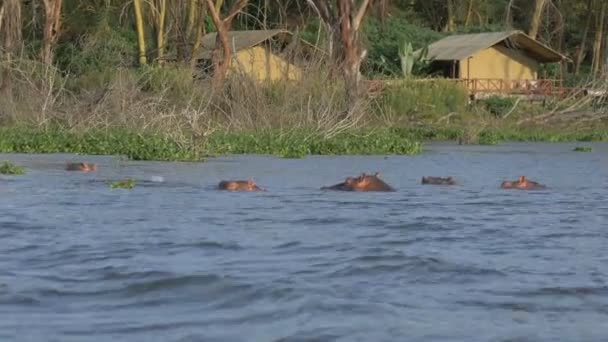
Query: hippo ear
{"points": [[250, 181]]}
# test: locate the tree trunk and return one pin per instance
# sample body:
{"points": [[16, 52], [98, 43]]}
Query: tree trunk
{"points": [[141, 40], [581, 52], [344, 29], [539, 7], [192, 11], [160, 34], [1, 16], [10, 42], [50, 33], [603, 67], [197, 33], [597, 43], [221, 62], [469, 15], [450, 22]]}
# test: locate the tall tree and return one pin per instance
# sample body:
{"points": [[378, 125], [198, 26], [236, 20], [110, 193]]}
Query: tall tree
{"points": [[51, 30], [450, 23], [221, 62], [600, 15], [141, 39], [344, 25], [188, 28], [161, 17], [10, 42], [539, 8], [581, 50]]}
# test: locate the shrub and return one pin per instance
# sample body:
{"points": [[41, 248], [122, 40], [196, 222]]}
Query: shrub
{"points": [[421, 99], [498, 105], [8, 168]]}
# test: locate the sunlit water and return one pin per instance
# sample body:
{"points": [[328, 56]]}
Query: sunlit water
{"points": [[175, 260]]}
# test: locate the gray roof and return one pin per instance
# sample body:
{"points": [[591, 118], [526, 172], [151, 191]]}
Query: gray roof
{"points": [[461, 46], [239, 40]]}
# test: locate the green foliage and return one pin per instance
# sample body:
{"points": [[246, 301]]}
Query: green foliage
{"points": [[583, 149], [498, 105], [407, 59], [300, 143], [123, 184], [384, 43], [549, 71], [543, 134], [424, 99], [313, 30], [176, 80], [481, 28], [8, 168], [489, 138], [98, 51], [136, 146]]}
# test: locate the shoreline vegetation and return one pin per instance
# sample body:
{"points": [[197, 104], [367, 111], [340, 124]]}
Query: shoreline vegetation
{"points": [[163, 113], [101, 87], [295, 144]]}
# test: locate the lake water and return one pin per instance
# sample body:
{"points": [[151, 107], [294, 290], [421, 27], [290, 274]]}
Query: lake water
{"points": [[179, 261]]}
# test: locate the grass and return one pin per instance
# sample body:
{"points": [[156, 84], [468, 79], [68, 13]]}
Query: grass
{"points": [[123, 184], [8, 168], [583, 149]]}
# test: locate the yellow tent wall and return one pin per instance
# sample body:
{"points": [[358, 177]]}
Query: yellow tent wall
{"points": [[261, 64], [498, 62]]}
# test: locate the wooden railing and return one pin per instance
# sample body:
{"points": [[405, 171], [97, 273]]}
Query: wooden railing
{"points": [[488, 86], [546, 87]]}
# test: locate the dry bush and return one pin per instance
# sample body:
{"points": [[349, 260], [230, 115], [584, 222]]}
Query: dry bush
{"points": [[168, 99]]}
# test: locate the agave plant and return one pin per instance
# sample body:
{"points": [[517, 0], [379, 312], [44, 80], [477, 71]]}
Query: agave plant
{"points": [[406, 55], [409, 59]]}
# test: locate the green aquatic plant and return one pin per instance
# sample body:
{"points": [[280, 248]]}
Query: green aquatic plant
{"points": [[123, 184], [8, 168], [133, 145], [583, 149]]}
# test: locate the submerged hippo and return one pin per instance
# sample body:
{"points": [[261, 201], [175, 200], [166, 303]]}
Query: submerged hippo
{"points": [[438, 180], [81, 167], [239, 185], [522, 183], [364, 182]]}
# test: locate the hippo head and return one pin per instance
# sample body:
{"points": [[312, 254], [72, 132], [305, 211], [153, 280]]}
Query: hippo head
{"points": [[364, 180], [81, 167], [251, 186], [506, 184]]}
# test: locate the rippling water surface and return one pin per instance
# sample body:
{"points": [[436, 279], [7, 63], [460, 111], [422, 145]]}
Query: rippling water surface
{"points": [[179, 261]]}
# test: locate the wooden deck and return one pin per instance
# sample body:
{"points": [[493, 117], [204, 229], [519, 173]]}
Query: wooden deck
{"points": [[482, 88], [479, 88]]}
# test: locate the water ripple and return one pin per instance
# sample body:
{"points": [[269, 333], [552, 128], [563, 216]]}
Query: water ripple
{"points": [[178, 260]]}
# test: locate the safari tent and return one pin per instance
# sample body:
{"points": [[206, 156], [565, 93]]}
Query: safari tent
{"points": [[261, 54], [493, 61]]}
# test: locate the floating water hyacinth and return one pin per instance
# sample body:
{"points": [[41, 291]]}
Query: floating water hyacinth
{"points": [[8, 168], [583, 149], [123, 184]]}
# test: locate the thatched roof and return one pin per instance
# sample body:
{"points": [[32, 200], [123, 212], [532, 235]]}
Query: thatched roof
{"points": [[461, 46]]}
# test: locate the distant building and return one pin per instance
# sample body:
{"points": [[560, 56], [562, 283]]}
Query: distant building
{"points": [[261, 54], [493, 62]]}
